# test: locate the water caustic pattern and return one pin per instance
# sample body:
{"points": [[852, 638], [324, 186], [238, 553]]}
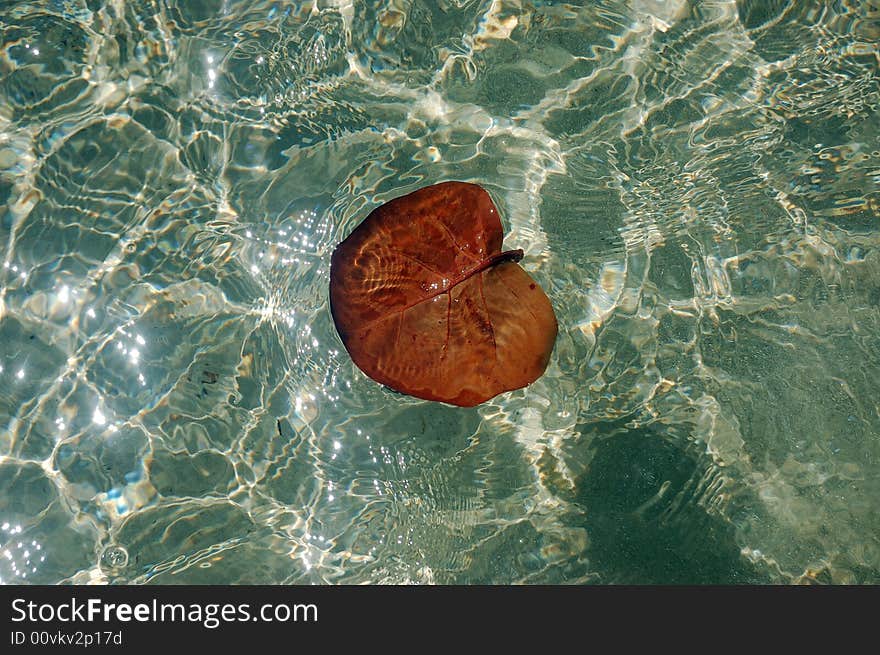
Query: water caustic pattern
{"points": [[696, 185]]}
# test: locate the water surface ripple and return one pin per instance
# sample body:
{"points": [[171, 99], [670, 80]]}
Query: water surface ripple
{"points": [[696, 184]]}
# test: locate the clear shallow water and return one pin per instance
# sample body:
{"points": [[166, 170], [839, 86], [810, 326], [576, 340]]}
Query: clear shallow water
{"points": [[695, 185]]}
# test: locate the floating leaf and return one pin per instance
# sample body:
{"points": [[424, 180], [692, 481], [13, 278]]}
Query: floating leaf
{"points": [[427, 303]]}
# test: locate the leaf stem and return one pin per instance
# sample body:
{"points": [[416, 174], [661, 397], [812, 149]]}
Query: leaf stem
{"points": [[494, 260]]}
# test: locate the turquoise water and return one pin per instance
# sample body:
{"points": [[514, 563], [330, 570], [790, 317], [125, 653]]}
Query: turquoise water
{"points": [[696, 185]]}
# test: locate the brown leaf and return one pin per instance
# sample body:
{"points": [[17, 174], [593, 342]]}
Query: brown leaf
{"points": [[426, 302]]}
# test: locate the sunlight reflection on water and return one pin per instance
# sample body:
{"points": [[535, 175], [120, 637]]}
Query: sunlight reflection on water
{"points": [[695, 185]]}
